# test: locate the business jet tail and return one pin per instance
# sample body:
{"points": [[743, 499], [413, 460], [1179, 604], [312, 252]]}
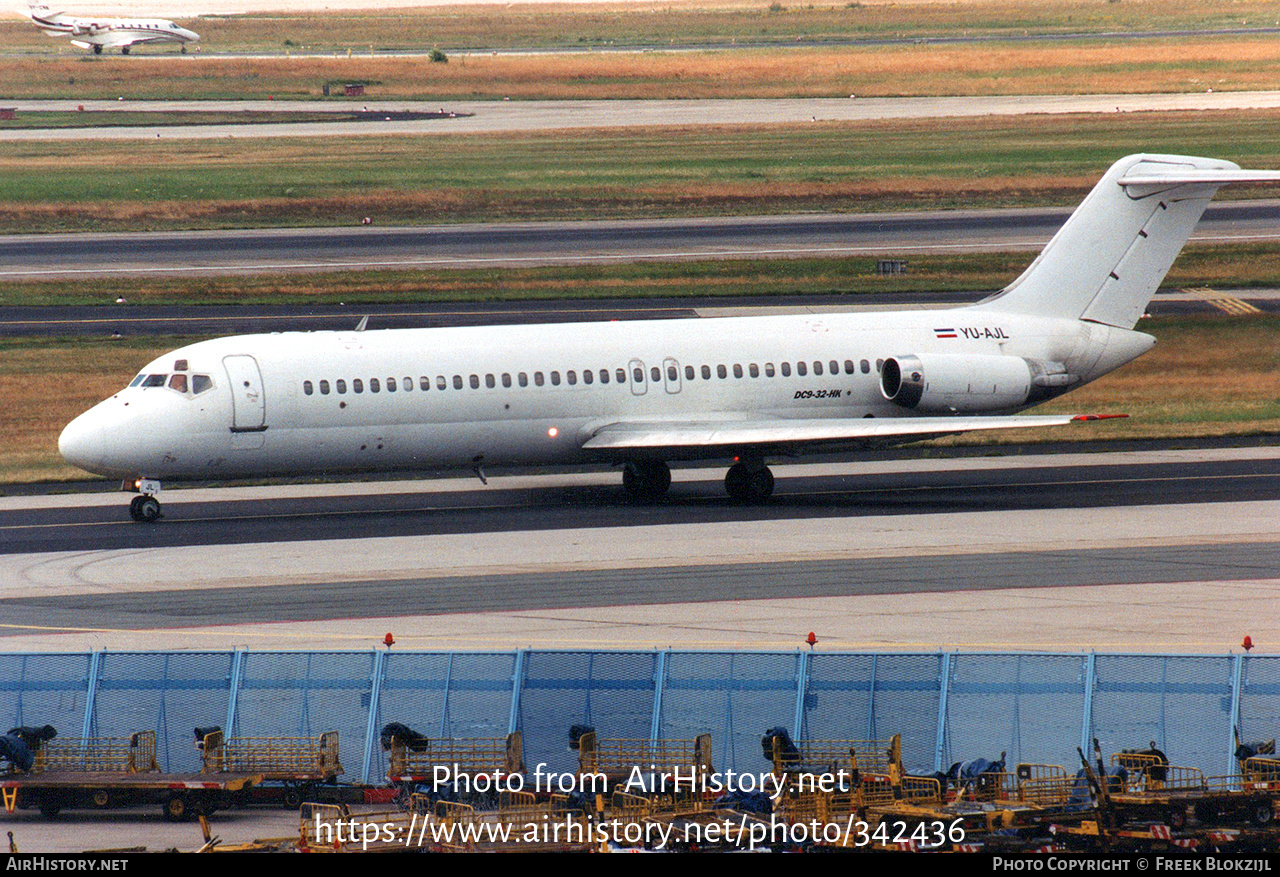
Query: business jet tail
{"points": [[1108, 260]]}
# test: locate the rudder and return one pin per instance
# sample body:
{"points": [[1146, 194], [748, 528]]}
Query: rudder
{"points": [[1108, 260]]}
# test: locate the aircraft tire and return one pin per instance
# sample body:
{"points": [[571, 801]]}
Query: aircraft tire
{"points": [[747, 483], [646, 480], [145, 509]]}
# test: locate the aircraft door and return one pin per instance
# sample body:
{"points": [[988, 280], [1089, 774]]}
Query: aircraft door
{"points": [[248, 399], [639, 381], [671, 375]]}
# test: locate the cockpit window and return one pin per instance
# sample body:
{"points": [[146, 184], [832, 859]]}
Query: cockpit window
{"points": [[155, 380], [200, 383], [178, 383], [139, 379]]}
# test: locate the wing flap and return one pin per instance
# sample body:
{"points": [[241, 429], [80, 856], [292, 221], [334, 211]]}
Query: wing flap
{"points": [[796, 434]]}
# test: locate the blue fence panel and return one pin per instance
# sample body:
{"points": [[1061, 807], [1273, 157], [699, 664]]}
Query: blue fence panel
{"points": [[735, 697], [1026, 706], [1181, 704], [1260, 700], [305, 694], [44, 689], [906, 693], [612, 692], [171, 693], [414, 692], [838, 698]]}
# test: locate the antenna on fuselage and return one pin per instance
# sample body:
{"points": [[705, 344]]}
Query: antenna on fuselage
{"points": [[364, 322]]}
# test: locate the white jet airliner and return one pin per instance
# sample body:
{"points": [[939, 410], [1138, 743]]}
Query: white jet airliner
{"points": [[108, 33], [641, 394]]}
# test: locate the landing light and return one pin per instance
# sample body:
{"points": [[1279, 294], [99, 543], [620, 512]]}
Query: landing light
{"points": [[553, 432]]}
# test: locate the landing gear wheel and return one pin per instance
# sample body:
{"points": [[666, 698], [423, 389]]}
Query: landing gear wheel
{"points": [[747, 483], [124, 50], [97, 49], [646, 480], [145, 509]]}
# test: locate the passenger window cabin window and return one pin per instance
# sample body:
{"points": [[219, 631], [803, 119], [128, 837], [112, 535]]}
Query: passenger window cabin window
{"points": [[637, 374], [324, 388], [408, 385], [424, 383], [308, 388], [753, 370], [475, 382], [555, 379], [375, 386], [490, 381], [688, 373], [655, 374], [588, 376], [879, 365], [539, 379], [786, 369], [848, 367], [357, 385], [391, 385], [801, 369], [523, 379], [457, 382], [604, 376], [833, 367], [506, 379], [706, 372], [673, 374], [571, 377], [737, 370], [866, 367], [341, 386], [441, 383], [768, 369], [817, 367], [621, 375]]}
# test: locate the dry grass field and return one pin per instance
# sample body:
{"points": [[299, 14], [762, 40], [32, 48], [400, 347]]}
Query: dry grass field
{"points": [[1232, 63], [671, 23], [848, 167], [1205, 377]]}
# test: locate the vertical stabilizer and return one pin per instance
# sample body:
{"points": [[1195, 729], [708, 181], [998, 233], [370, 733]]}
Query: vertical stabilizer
{"points": [[1108, 260]]}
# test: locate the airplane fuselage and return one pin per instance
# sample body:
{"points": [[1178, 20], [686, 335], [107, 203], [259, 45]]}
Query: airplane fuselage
{"points": [[298, 403]]}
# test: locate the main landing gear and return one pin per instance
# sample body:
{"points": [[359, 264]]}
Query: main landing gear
{"points": [[646, 480], [144, 508], [748, 481]]}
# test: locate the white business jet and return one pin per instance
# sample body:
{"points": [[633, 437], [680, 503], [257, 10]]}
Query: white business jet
{"points": [[642, 394], [108, 33]]}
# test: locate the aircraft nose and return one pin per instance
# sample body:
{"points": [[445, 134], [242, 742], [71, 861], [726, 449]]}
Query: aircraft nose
{"points": [[83, 443]]}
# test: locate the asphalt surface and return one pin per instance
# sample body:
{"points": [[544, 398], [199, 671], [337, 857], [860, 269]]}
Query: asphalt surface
{"points": [[462, 507], [895, 235]]}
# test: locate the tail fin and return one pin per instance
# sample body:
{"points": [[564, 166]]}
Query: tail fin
{"points": [[1108, 260]]}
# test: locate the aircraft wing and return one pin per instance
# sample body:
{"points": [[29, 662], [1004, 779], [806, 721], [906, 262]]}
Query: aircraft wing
{"points": [[699, 438]]}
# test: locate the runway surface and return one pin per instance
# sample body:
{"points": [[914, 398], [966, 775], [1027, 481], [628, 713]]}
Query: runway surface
{"points": [[477, 245], [964, 551], [492, 117]]}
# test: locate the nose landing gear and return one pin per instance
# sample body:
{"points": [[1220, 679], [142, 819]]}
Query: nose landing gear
{"points": [[144, 508]]}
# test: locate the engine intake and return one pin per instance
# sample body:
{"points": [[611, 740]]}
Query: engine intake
{"points": [[947, 383]]}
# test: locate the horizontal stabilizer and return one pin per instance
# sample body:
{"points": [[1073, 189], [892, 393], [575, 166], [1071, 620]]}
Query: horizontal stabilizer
{"points": [[781, 434]]}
